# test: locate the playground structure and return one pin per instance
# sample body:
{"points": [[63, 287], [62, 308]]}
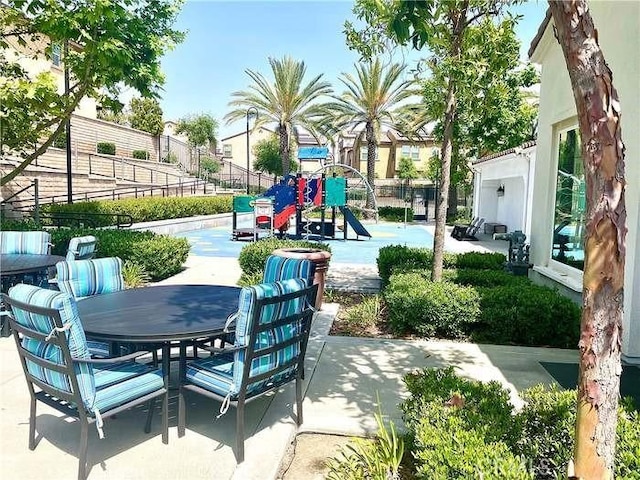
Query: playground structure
{"points": [[299, 196]]}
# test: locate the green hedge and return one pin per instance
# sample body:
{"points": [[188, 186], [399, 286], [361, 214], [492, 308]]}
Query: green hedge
{"points": [[253, 257], [147, 209], [107, 148], [530, 314], [140, 154], [477, 261], [459, 429], [160, 256], [484, 278], [441, 309], [395, 214]]}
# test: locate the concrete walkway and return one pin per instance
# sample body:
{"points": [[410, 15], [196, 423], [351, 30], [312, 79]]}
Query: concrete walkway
{"points": [[344, 376]]}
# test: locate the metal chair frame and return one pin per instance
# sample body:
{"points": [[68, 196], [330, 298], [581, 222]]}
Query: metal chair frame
{"points": [[243, 396], [67, 403]]}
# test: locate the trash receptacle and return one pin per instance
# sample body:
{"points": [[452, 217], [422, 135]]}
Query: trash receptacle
{"points": [[321, 260]]}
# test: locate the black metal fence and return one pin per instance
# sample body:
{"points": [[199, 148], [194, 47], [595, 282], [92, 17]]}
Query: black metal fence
{"points": [[422, 199]]}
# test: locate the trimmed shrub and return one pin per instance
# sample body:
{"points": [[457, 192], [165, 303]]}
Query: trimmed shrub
{"points": [[253, 257], [140, 154], [484, 278], [477, 261], [395, 214], [160, 256], [147, 209], [428, 308], [401, 256], [530, 315], [107, 148]]}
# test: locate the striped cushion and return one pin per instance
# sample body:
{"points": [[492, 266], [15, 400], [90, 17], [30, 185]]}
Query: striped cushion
{"points": [[119, 383], [35, 243], [83, 278], [223, 373], [281, 268], [66, 305], [81, 248]]}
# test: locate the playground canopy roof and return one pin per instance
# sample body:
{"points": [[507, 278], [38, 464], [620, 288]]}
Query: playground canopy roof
{"points": [[313, 153]]}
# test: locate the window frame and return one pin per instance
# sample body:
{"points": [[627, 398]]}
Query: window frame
{"points": [[56, 53]]}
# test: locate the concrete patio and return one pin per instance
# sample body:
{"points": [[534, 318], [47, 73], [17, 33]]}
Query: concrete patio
{"points": [[343, 378]]}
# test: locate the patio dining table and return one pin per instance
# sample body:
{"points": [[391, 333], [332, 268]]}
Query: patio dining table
{"points": [[162, 314]]}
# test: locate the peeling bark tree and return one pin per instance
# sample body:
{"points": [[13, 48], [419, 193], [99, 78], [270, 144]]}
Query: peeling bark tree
{"points": [[603, 285]]}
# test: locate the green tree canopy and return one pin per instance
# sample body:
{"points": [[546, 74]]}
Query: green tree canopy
{"points": [[268, 160], [407, 169], [287, 101], [105, 45], [146, 115], [200, 130]]}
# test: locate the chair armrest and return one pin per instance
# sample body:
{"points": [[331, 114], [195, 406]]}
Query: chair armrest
{"points": [[216, 350], [230, 324], [123, 358]]}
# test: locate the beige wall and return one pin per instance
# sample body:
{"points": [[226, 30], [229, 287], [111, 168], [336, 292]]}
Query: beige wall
{"points": [[384, 150], [238, 145], [619, 36]]}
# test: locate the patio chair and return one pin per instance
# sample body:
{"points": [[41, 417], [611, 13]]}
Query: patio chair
{"points": [[81, 248], [60, 373], [460, 229], [84, 278], [271, 339], [470, 232], [25, 243]]}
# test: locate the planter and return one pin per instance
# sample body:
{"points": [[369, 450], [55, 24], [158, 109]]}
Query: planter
{"points": [[321, 260]]}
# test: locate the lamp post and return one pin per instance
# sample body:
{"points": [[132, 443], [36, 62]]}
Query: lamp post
{"points": [[68, 127], [250, 110]]}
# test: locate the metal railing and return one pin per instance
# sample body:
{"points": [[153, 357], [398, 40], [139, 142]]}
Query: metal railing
{"points": [[125, 166]]}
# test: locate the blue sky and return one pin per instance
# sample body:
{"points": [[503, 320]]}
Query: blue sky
{"points": [[225, 38]]}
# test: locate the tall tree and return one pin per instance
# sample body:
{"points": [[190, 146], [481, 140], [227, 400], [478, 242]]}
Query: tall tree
{"points": [[146, 115], [104, 45], [444, 28], [267, 156], [598, 108], [200, 130], [286, 101], [371, 100]]}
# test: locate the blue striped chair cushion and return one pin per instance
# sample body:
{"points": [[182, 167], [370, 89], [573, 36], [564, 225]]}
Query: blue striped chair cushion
{"points": [[35, 243], [83, 278], [280, 268], [118, 383], [81, 248], [66, 305], [223, 374]]}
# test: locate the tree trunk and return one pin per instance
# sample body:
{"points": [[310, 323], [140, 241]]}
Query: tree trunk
{"points": [[443, 189], [371, 162], [285, 154], [598, 110]]}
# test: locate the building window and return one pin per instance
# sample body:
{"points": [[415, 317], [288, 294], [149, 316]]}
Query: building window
{"points": [[56, 54], [226, 150], [363, 154], [411, 151], [570, 202]]}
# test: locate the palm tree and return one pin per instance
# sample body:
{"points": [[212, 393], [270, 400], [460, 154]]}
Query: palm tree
{"points": [[286, 102], [371, 101]]}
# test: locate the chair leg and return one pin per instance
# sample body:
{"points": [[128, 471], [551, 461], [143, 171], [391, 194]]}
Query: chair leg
{"points": [[84, 443], [32, 424], [181, 412], [240, 431], [299, 401], [165, 418], [152, 406]]}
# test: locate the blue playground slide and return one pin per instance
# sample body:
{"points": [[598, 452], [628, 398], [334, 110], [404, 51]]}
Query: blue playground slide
{"points": [[354, 222]]}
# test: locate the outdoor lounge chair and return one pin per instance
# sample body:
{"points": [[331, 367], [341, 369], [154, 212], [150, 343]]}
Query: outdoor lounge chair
{"points": [[461, 232], [272, 331], [84, 278], [460, 228], [60, 373], [81, 248]]}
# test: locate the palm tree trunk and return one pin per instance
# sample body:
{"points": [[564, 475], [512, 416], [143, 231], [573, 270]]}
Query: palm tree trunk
{"points": [[598, 110], [285, 154], [371, 162]]}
